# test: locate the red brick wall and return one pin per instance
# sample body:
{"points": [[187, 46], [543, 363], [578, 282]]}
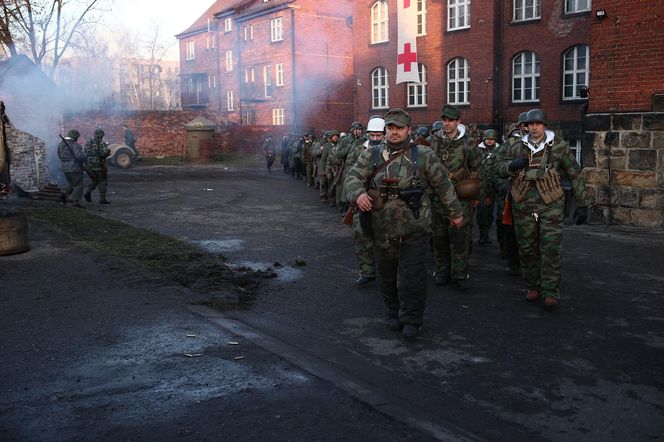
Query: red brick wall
{"points": [[627, 64]]}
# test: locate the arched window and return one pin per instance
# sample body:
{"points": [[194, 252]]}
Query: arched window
{"points": [[417, 92], [379, 22], [380, 98], [458, 81], [525, 77], [575, 71]]}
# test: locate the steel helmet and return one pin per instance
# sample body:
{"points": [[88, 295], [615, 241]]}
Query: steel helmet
{"points": [[436, 126], [73, 134], [99, 133], [376, 124], [422, 131], [490, 134], [536, 116], [522, 118], [356, 125]]}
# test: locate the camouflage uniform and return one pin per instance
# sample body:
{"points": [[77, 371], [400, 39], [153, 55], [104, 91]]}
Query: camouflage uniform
{"points": [[486, 212], [96, 151], [539, 226], [71, 160], [321, 155], [352, 145], [333, 171], [307, 154], [452, 245], [269, 152], [400, 237]]}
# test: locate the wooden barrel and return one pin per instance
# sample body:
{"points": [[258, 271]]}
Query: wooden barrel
{"points": [[13, 233]]}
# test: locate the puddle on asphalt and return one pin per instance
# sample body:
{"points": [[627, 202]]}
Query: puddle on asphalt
{"points": [[284, 273], [221, 245]]}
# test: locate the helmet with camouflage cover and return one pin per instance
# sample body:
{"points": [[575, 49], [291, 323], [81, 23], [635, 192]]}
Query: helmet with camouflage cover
{"points": [[536, 116], [356, 125], [490, 134]]}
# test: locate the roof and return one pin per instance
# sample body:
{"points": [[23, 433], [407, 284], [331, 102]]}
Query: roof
{"points": [[21, 66], [202, 21]]}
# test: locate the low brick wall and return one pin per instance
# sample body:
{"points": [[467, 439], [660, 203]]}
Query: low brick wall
{"points": [[163, 133], [29, 165], [623, 161]]}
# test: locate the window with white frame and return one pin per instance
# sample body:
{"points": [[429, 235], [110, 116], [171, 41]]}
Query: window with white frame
{"points": [[277, 29], [458, 81], [251, 32], [575, 148], [380, 98], [458, 14], [210, 41], [228, 24], [421, 17], [417, 92], [212, 81], [248, 32], [574, 6], [379, 22], [525, 77], [526, 10], [229, 61], [278, 117], [575, 71], [190, 48], [279, 73], [230, 102], [267, 81]]}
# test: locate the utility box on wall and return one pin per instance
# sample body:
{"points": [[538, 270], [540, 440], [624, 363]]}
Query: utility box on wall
{"points": [[200, 140]]}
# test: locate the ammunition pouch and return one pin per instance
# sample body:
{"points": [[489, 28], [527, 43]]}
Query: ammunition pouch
{"points": [[549, 187], [520, 187], [413, 197]]}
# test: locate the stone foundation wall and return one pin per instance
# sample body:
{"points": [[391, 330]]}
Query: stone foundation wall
{"points": [[29, 165], [623, 159]]}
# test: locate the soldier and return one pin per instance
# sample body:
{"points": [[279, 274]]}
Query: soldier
{"points": [[485, 210], [436, 127], [307, 154], [400, 176], [536, 165], [460, 158], [354, 141], [285, 152], [295, 157], [72, 159], [96, 151], [364, 247], [332, 167], [130, 140], [422, 136], [269, 152], [320, 156]]}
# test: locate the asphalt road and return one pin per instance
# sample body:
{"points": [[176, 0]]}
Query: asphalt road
{"points": [[100, 353]]}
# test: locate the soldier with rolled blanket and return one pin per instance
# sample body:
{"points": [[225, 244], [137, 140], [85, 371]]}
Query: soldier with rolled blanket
{"points": [[536, 165], [393, 181]]}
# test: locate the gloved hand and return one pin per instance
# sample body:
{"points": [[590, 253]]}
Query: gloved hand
{"points": [[580, 215], [517, 164]]}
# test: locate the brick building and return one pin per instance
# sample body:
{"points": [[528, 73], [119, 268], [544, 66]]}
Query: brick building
{"points": [[271, 62], [492, 59], [623, 154]]}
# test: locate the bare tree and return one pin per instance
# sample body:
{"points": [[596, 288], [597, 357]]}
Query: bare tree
{"points": [[44, 29]]}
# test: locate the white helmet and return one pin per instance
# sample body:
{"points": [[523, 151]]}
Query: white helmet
{"points": [[376, 124]]}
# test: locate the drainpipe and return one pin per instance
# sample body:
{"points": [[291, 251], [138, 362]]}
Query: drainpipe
{"points": [[218, 74], [293, 82], [498, 112]]}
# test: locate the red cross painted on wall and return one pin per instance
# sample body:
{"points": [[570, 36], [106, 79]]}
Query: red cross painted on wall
{"points": [[406, 58]]}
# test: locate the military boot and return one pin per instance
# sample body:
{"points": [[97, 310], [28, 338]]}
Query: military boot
{"points": [[410, 331], [88, 197]]}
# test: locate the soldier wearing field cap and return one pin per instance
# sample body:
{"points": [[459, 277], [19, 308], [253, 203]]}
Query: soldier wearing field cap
{"points": [[536, 165], [392, 180]]}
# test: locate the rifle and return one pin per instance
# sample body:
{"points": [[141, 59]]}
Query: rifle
{"points": [[80, 163]]}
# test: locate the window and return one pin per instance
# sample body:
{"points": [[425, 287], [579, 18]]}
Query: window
{"points": [[525, 77], [574, 6], [380, 89], [248, 32], [190, 49], [210, 41], [278, 117], [212, 81], [276, 29], [421, 17], [458, 81], [228, 24], [229, 61], [379, 22], [417, 92], [526, 10], [229, 101], [267, 81], [279, 68], [251, 32], [575, 148], [575, 71], [458, 14]]}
